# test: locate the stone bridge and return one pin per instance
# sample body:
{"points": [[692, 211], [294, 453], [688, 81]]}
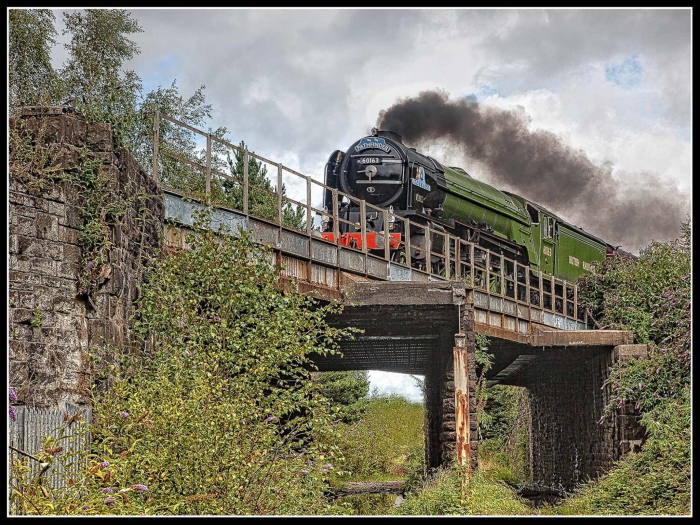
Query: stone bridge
{"points": [[415, 319]]}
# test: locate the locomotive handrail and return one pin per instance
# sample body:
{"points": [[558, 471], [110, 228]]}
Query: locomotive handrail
{"points": [[492, 273]]}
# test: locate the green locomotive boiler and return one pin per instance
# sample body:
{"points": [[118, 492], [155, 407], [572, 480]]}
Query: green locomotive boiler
{"points": [[385, 173]]}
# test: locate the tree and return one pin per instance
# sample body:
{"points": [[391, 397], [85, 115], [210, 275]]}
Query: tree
{"points": [[92, 76], [225, 382], [174, 139], [32, 77], [348, 390], [260, 203]]}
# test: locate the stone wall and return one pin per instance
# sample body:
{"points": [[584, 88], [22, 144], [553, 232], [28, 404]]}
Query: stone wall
{"points": [[53, 330], [570, 440]]}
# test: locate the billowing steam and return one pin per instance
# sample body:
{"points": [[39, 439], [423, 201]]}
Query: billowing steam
{"points": [[541, 168]]}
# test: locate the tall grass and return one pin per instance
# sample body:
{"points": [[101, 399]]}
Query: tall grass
{"points": [[386, 443], [447, 493]]}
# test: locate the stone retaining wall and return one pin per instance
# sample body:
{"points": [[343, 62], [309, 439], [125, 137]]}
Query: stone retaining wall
{"points": [[52, 329]]}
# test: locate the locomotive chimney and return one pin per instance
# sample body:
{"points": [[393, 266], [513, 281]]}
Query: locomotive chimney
{"points": [[390, 135]]}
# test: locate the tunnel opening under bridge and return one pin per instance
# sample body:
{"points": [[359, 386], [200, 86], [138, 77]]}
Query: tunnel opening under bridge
{"points": [[417, 341]]}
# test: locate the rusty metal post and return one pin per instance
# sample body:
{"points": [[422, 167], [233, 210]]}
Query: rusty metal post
{"points": [[156, 144], [446, 252], [336, 229], [553, 294], [245, 181], [208, 190], [407, 244], [526, 269], [488, 275], [471, 265], [458, 259], [428, 249], [461, 380]]}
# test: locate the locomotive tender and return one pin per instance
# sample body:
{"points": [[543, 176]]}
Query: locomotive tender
{"points": [[381, 170]]}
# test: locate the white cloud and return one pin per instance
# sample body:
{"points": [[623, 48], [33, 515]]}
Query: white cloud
{"points": [[393, 383]]}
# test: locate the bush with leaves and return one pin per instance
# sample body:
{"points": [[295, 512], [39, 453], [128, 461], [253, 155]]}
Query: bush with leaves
{"points": [[216, 414], [651, 297]]}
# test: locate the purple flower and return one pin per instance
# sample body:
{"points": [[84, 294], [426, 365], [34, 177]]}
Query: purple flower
{"points": [[91, 265], [271, 418], [13, 395], [329, 465], [304, 471], [104, 464], [123, 415], [139, 487], [110, 501], [13, 413], [640, 386], [108, 490]]}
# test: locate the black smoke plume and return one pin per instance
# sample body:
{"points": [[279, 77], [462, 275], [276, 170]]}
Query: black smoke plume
{"points": [[540, 167]]}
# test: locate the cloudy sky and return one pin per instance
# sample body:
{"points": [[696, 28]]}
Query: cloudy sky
{"points": [[298, 84]]}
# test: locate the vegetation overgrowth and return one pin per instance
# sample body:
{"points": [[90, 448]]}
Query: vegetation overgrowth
{"points": [[216, 413], [651, 296], [302, 435]]}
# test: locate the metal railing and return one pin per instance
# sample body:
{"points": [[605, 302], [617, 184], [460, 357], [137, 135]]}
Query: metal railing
{"points": [[529, 293]]}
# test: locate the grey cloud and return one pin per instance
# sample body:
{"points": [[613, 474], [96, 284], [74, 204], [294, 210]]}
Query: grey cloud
{"points": [[289, 80], [241, 50]]}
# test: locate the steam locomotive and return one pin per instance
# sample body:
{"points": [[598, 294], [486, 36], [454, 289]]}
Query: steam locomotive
{"points": [[385, 173]]}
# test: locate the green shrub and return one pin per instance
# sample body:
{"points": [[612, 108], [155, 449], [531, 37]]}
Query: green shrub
{"points": [[347, 390], [651, 297], [216, 413]]}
